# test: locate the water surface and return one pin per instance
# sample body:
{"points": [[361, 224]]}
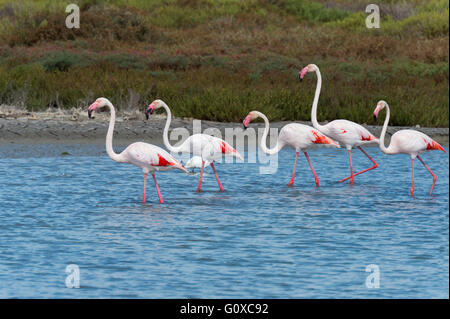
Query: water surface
{"points": [[258, 239]]}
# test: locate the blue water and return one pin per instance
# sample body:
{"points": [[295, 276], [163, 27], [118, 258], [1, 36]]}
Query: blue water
{"points": [[258, 239]]}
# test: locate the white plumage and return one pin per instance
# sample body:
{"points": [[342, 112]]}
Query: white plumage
{"points": [[298, 136], [208, 147], [407, 142], [196, 162], [345, 132]]}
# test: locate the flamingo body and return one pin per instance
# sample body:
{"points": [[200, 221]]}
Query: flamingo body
{"points": [[149, 157], [301, 137], [196, 144], [196, 162], [348, 133], [411, 142]]}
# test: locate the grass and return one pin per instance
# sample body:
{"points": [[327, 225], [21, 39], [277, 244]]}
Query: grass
{"points": [[217, 60]]}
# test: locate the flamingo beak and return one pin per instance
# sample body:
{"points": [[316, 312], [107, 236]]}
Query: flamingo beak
{"points": [[149, 111], [246, 121], [92, 108], [375, 113], [302, 73]]}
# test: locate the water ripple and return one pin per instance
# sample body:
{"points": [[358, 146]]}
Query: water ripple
{"points": [[259, 238]]}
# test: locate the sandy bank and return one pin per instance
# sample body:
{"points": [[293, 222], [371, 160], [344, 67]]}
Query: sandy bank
{"points": [[75, 127]]}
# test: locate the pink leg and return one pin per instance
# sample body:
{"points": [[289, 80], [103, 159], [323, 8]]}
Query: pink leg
{"points": [[199, 188], [217, 177], [375, 165], [431, 172], [157, 189], [312, 168], [412, 186], [145, 186], [291, 182]]}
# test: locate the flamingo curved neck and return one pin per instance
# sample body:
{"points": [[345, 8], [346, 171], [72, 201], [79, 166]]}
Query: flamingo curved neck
{"points": [[316, 100], [273, 150], [166, 131], [383, 131], [109, 136]]}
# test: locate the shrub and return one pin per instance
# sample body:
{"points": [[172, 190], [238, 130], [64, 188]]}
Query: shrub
{"points": [[219, 59], [313, 11], [62, 61]]}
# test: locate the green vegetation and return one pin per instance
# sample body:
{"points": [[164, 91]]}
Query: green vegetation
{"points": [[219, 59]]}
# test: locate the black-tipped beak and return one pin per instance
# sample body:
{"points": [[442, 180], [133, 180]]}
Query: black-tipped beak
{"points": [[375, 117], [148, 113], [300, 78], [245, 127], [89, 114]]}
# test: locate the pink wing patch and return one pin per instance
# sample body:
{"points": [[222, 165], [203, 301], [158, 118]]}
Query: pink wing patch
{"points": [[163, 162], [226, 149], [369, 138], [432, 145], [320, 139]]}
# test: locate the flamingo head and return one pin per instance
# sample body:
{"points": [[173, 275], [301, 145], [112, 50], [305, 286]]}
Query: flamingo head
{"points": [[380, 105], [100, 102], [306, 69], [250, 117], [156, 104]]}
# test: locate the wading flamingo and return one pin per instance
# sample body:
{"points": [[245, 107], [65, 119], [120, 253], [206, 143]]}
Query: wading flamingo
{"points": [[345, 132], [149, 157], [407, 142], [298, 136], [208, 147]]}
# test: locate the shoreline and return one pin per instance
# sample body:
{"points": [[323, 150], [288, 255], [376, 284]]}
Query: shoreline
{"points": [[75, 127]]}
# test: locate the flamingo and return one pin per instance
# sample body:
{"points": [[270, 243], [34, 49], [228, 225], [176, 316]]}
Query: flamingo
{"points": [[149, 157], [208, 147], [407, 142], [345, 132], [295, 135]]}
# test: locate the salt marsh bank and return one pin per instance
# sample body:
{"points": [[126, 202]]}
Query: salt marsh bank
{"points": [[57, 126]]}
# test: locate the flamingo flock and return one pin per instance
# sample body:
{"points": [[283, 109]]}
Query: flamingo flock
{"points": [[207, 149]]}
